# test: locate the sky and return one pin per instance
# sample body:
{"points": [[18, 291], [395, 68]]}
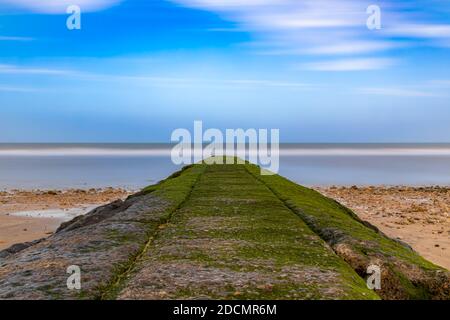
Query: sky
{"points": [[139, 69]]}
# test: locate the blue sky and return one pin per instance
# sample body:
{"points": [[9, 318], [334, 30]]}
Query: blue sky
{"points": [[139, 69]]}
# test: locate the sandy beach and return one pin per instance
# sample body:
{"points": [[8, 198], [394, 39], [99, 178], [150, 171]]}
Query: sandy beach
{"points": [[29, 215], [419, 216]]}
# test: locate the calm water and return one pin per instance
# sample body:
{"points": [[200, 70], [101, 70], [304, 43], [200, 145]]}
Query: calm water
{"points": [[135, 166]]}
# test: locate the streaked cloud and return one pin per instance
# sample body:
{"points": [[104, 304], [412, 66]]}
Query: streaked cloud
{"points": [[353, 48], [17, 89], [349, 64], [149, 80], [421, 30], [13, 69], [329, 27], [349, 48]]}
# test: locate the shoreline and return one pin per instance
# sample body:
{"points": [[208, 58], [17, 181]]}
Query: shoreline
{"points": [[417, 215]]}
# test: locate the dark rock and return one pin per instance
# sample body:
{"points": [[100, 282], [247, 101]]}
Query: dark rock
{"points": [[15, 248], [95, 216]]}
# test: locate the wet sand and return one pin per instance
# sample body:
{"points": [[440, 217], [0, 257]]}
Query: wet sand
{"points": [[17, 229], [419, 216]]}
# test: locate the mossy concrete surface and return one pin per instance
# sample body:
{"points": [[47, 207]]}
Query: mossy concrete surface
{"points": [[404, 273], [218, 232], [103, 243], [234, 239]]}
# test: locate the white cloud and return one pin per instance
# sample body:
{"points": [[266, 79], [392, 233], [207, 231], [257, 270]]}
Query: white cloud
{"points": [[292, 23], [226, 4], [353, 47], [331, 27], [59, 6], [349, 64], [421, 30]]}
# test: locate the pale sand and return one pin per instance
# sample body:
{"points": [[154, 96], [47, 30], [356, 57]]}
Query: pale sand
{"points": [[417, 216], [17, 229]]}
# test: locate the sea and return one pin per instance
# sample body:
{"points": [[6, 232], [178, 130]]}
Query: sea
{"points": [[133, 166]]}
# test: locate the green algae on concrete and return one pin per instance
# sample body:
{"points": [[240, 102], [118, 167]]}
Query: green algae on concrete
{"points": [[234, 239], [103, 243], [405, 274], [221, 232]]}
